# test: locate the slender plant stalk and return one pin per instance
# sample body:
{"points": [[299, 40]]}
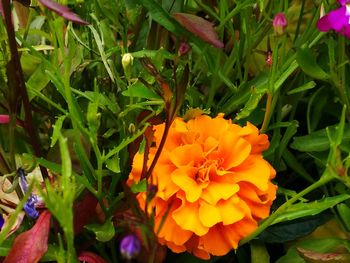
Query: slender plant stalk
{"points": [[19, 84]]}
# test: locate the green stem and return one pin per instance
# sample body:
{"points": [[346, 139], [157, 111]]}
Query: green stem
{"points": [[267, 115]]}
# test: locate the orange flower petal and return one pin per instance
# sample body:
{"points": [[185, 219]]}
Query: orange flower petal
{"points": [[226, 211], [172, 246], [166, 187], [214, 242], [216, 191], [169, 230], [190, 154], [192, 247], [187, 217], [208, 127], [233, 150], [255, 171], [183, 178], [209, 215], [259, 142]]}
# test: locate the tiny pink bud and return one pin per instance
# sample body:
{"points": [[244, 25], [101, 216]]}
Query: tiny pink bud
{"points": [[183, 49], [279, 23]]}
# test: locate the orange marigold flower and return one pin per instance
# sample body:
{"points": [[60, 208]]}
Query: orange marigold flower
{"points": [[213, 184]]}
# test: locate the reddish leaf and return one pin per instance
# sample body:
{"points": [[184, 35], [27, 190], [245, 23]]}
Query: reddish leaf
{"points": [[89, 257], [200, 27], [63, 11], [31, 245], [313, 256], [84, 211]]}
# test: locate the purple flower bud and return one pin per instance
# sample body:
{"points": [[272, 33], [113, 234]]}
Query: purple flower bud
{"points": [[279, 23], [130, 246]]}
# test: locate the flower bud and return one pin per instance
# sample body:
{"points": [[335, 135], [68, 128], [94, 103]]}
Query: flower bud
{"points": [[183, 49], [130, 246], [127, 61], [279, 23]]}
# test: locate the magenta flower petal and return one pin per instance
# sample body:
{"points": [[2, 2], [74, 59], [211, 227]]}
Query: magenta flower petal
{"points": [[344, 2], [338, 20]]}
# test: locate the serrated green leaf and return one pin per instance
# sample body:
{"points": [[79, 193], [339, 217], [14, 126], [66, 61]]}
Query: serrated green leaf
{"points": [[300, 210], [113, 164]]}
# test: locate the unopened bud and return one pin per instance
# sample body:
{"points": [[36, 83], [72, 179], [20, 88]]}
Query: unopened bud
{"points": [[279, 23], [130, 246], [183, 49], [127, 61]]}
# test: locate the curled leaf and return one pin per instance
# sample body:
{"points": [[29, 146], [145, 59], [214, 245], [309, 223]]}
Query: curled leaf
{"points": [[31, 245], [200, 27], [63, 11]]}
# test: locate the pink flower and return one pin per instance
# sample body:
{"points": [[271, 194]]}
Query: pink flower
{"points": [[279, 23], [337, 20]]}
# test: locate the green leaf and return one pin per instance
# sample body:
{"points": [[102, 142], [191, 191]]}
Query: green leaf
{"points": [[104, 232], [139, 90], [318, 141], [300, 210], [308, 64], [304, 87], [37, 81]]}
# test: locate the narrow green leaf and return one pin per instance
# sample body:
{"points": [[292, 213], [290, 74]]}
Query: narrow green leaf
{"points": [[100, 47], [318, 141], [304, 87]]}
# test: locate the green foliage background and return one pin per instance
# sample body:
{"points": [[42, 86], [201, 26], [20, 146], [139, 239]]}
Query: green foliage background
{"points": [[86, 108]]}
